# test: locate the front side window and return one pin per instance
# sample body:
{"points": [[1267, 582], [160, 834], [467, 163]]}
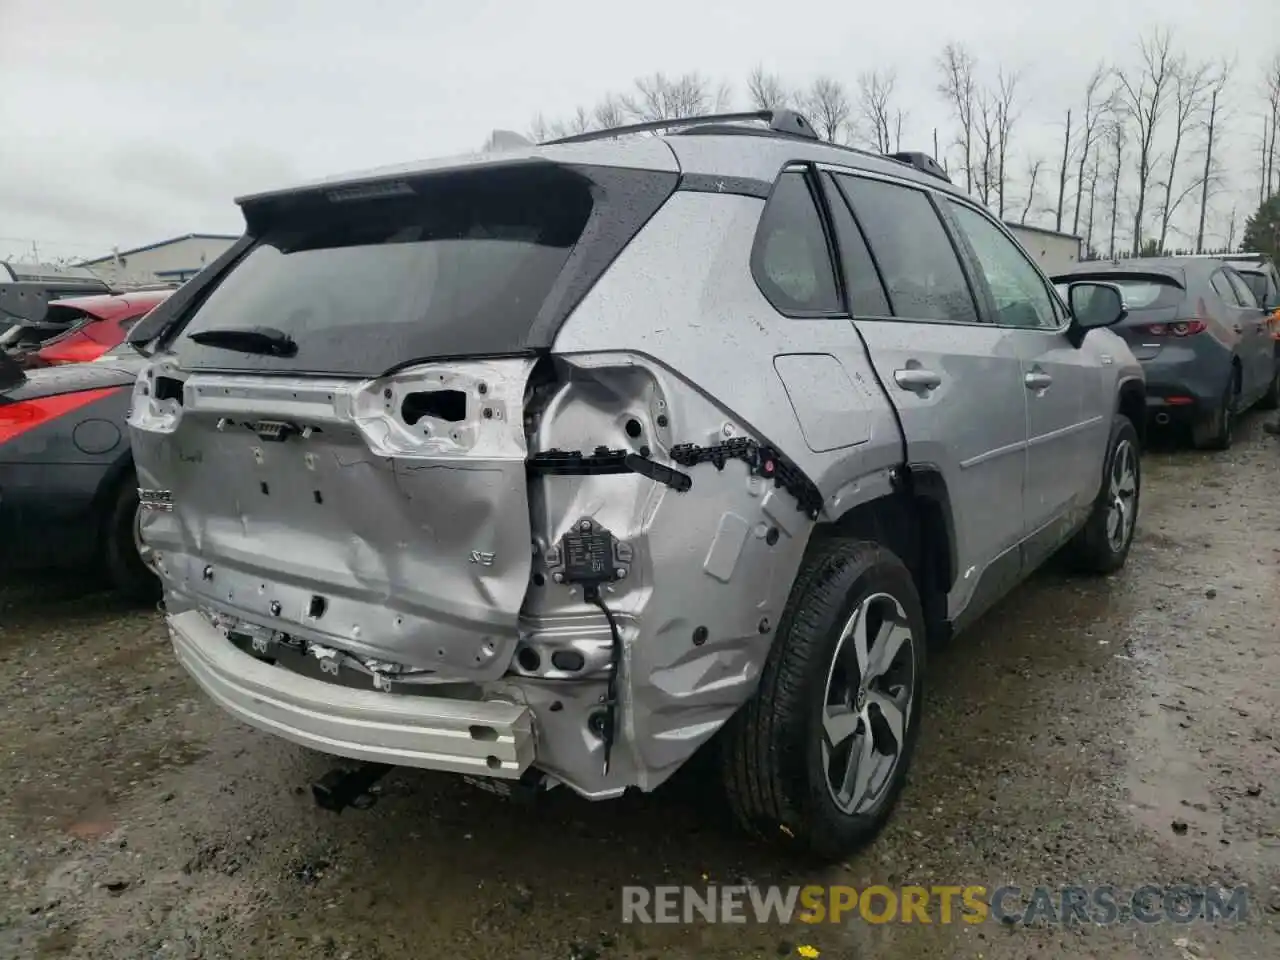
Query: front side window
{"points": [[790, 260], [1020, 295], [917, 261]]}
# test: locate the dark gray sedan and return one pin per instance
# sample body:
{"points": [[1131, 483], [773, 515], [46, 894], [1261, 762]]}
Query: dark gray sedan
{"points": [[1203, 340]]}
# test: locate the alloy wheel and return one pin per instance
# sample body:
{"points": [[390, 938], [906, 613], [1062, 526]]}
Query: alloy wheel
{"points": [[867, 704], [1122, 492]]}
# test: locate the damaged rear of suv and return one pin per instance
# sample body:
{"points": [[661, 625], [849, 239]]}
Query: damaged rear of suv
{"points": [[543, 466]]}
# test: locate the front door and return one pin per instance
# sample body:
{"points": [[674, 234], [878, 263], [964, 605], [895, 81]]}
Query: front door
{"points": [[1068, 411], [955, 380]]}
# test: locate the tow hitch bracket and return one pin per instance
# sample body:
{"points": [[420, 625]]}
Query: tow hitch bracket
{"points": [[342, 788]]}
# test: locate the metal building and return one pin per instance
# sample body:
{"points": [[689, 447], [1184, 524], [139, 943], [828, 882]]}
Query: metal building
{"points": [[168, 261]]}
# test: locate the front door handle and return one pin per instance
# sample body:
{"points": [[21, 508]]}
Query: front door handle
{"points": [[917, 379], [1038, 380]]}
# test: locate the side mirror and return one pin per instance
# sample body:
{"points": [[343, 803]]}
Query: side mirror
{"points": [[1094, 305]]}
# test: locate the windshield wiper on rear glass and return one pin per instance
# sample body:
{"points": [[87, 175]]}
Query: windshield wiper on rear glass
{"points": [[268, 340]]}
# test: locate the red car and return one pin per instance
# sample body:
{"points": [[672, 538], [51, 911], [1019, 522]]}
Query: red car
{"points": [[85, 328]]}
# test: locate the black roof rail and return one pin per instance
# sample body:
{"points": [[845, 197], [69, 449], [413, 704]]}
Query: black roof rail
{"points": [[779, 121], [922, 162]]}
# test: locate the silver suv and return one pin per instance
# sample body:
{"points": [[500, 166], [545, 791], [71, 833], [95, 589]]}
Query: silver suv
{"points": [[557, 464]]}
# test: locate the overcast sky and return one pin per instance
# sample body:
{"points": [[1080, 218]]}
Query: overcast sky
{"points": [[130, 121]]}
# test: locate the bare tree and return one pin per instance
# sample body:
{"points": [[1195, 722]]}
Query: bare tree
{"points": [[659, 97], [1062, 173], [828, 106], [1143, 97], [1093, 194], [986, 136], [1210, 123], [1098, 104], [1118, 137], [609, 112], [766, 91], [1006, 115], [1262, 167], [1191, 83], [1271, 88], [541, 129], [960, 89], [1033, 174], [875, 112]]}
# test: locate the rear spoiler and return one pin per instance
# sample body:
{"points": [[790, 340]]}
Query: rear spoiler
{"points": [[1104, 276]]}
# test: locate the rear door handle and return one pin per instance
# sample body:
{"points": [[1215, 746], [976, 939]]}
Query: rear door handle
{"points": [[1038, 381], [917, 379]]}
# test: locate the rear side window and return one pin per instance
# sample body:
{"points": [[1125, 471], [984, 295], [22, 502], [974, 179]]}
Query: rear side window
{"points": [[919, 266], [1140, 293], [790, 259], [862, 281], [1243, 292], [1224, 289]]}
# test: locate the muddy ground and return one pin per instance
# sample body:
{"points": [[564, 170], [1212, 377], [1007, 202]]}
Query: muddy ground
{"points": [[1120, 731]]}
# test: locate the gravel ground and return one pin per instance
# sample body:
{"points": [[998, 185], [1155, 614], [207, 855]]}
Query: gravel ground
{"points": [[1120, 731]]}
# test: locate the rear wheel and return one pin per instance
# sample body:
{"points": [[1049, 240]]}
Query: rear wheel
{"points": [[817, 759], [1219, 432], [124, 556], [1271, 399]]}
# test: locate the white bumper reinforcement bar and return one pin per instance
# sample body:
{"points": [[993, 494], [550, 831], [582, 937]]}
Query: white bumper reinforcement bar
{"points": [[484, 738]]}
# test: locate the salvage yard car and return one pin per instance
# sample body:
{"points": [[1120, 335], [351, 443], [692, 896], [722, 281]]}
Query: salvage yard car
{"points": [[68, 494], [555, 465], [1204, 340], [80, 328]]}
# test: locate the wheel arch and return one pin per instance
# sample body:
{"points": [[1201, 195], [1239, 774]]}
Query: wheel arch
{"points": [[104, 497], [916, 522], [1131, 402]]}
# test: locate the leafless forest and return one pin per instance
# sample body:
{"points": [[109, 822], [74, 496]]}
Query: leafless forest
{"points": [[1153, 154]]}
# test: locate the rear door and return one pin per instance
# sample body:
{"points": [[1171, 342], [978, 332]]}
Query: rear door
{"points": [[955, 380], [1257, 334], [1068, 407], [1247, 321]]}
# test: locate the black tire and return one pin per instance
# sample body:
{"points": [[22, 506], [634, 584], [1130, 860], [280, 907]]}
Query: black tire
{"points": [[1271, 399], [123, 565], [1219, 432], [773, 752], [1094, 550]]}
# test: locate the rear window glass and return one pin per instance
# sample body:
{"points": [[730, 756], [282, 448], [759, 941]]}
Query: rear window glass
{"points": [[461, 268], [1140, 293]]}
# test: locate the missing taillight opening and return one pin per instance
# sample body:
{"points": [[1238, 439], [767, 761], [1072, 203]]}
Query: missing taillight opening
{"points": [[448, 405]]}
